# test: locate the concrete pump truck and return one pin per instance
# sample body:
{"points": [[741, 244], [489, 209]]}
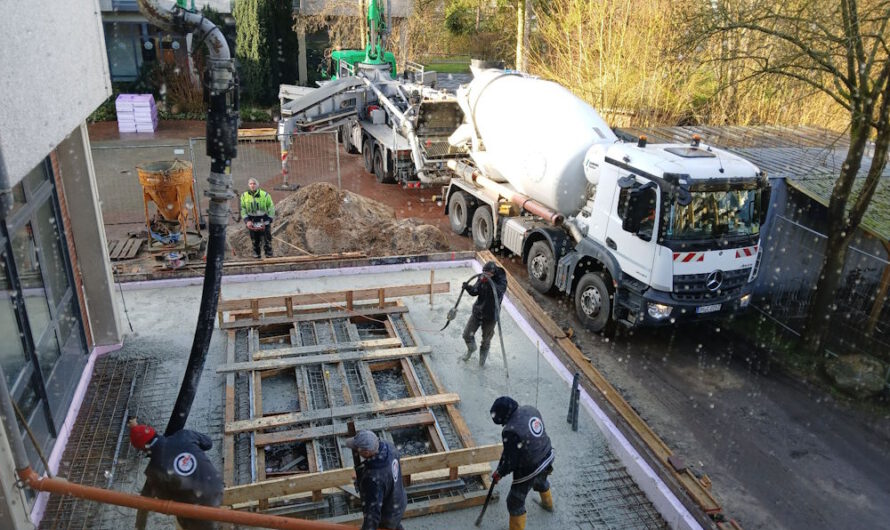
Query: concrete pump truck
{"points": [[400, 127]]}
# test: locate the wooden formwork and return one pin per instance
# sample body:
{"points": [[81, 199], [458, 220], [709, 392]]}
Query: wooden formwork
{"points": [[329, 347]]}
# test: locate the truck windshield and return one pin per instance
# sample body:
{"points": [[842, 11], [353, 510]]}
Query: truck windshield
{"points": [[715, 214]]}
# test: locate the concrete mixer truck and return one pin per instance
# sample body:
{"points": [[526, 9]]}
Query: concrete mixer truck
{"points": [[639, 234]]}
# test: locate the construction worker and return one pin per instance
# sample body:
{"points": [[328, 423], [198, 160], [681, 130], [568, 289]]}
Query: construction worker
{"points": [[178, 470], [527, 454], [379, 482], [257, 212], [485, 309]]}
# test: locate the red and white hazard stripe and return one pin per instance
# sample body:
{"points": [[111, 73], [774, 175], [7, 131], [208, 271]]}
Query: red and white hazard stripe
{"points": [[689, 257], [746, 252]]}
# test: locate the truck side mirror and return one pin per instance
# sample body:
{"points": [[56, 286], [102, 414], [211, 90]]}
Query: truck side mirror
{"points": [[765, 195], [631, 221]]}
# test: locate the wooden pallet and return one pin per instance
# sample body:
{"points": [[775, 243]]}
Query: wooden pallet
{"points": [[322, 347], [120, 249]]}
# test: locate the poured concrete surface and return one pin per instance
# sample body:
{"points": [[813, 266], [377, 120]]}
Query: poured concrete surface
{"points": [[164, 319]]}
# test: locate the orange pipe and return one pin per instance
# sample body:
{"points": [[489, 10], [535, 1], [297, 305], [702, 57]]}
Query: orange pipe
{"points": [[179, 509]]}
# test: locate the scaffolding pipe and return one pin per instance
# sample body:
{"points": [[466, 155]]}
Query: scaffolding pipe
{"points": [[178, 509]]}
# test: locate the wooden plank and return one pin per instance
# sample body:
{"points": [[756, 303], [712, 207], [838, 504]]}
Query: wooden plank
{"points": [[367, 356], [134, 245], [392, 407], [260, 450], [425, 507], [229, 439], [325, 348], [376, 424], [326, 298], [284, 319], [338, 477]]}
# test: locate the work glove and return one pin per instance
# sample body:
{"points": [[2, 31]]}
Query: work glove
{"points": [[495, 477], [465, 285]]}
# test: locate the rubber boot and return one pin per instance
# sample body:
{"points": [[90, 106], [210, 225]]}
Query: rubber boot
{"points": [[517, 522], [547, 500], [483, 356], [471, 347]]}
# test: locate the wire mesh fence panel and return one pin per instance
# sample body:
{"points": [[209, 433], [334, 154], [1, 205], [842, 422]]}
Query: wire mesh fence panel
{"points": [[118, 182], [790, 271], [312, 157]]}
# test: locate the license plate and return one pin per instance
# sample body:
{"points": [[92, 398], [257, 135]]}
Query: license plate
{"points": [[713, 308]]}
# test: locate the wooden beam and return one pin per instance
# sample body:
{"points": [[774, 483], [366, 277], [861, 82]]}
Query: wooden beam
{"points": [[284, 319], [376, 424], [338, 477], [326, 297], [229, 439], [391, 407], [325, 348], [367, 356]]}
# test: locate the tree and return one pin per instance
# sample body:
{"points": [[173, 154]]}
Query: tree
{"points": [[839, 48], [265, 47]]}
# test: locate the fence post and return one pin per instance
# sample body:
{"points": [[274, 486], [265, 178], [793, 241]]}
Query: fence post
{"points": [[337, 154], [198, 193]]}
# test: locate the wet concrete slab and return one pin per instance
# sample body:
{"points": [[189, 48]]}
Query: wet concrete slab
{"points": [[590, 485]]}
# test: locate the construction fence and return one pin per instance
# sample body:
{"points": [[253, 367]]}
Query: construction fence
{"points": [[312, 157], [789, 273]]}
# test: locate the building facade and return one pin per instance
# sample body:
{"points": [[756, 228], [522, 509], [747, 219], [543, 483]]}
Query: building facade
{"points": [[54, 312]]}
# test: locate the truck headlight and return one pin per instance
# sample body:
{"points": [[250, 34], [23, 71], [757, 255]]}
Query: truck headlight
{"points": [[745, 300], [659, 311]]}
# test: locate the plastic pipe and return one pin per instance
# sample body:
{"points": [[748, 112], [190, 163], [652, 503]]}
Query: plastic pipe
{"points": [[178, 509]]}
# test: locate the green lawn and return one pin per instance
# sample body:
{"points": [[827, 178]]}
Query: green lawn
{"points": [[448, 68]]}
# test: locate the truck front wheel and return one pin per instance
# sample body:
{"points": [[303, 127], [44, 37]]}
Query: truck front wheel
{"points": [[483, 228], [459, 212], [593, 303], [541, 267]]}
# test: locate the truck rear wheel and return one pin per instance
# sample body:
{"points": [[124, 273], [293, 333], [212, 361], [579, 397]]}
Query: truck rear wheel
{"points": [[593, 303], [368, 155], [384, 176], [541, 267], [483, 228], [459, 212]]}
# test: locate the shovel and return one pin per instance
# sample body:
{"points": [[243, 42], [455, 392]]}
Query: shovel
{"points": [[453, 311]]}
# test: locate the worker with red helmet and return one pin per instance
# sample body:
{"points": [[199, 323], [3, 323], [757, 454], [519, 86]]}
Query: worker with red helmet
{"points": [[178, 470]]}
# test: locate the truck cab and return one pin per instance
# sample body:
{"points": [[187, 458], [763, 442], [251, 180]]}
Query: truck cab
{"points": [[672, 231]]}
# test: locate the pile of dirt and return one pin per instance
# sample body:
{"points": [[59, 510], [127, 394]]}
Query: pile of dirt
{"points": [[320, 219]]}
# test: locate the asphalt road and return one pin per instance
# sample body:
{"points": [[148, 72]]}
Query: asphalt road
{"points": [[780, 454]]}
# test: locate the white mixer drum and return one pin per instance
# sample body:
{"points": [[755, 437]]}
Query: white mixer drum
{"points": [[535, 135]]}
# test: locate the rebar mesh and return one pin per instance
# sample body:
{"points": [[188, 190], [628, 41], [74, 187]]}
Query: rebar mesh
{"points": [[604, 496], [92, 456]]}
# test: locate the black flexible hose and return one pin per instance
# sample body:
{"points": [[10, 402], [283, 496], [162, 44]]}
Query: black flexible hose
{"points": [[203, 330]]}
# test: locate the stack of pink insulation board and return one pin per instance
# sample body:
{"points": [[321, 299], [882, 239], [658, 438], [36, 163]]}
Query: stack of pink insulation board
{"points": [[136, 113]]}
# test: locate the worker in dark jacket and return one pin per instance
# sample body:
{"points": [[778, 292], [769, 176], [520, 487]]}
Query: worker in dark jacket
{"points": [[257, 212], [493, 280], [178, 470], [527, 454], [379, 482]]}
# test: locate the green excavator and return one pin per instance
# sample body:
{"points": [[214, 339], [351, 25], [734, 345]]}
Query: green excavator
{"points": [[343, 61]]}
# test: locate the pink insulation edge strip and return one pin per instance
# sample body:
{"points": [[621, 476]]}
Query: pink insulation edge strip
{"points": [[55, 458]]}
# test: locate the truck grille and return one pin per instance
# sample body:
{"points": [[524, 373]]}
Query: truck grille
{"points": [[694, 287]]}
